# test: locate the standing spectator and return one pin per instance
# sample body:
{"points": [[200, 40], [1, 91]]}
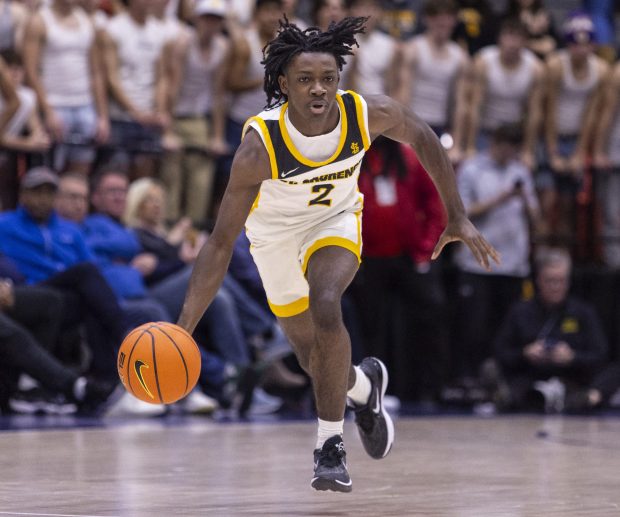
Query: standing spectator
{"points": [[507, 89], [602, 14], [136, 76], [13, 17], [434, 82], [607, 166], [199, 109], [552, 336], [60, 44], [25, 131], [9, 101], [245, 74], [325, 12], [477, 26], [289, 8], [575, 77], [372, 69], [498, 194], [402, 298], [542, 37]]}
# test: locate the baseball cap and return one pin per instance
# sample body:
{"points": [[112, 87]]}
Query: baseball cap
{"points": [[579, 28], [212, 7], [39, 176]]}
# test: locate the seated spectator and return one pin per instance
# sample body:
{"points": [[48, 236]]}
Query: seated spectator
{"points": [[60, 44], [30, 318], [550, 345], [498, 194], [51, 251], [72, 204]]}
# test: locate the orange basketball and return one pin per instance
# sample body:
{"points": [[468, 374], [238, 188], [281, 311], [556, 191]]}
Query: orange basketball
{"points": [[159, 362]]}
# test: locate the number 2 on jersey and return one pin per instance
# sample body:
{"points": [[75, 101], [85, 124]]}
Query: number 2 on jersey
{"points": [[323, 191]]}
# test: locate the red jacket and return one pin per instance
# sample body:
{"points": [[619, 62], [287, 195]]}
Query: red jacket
{"points": [[406, 216]]}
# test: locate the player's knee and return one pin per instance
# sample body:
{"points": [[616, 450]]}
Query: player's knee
{"points": [[326, 310]]}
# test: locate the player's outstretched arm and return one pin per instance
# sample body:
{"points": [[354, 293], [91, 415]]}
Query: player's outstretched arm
{"points": [[394, 120], [250, 167]]}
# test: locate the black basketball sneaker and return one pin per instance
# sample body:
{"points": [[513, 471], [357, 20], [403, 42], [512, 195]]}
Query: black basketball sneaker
{"points": [[330, 467], [374, 424]]}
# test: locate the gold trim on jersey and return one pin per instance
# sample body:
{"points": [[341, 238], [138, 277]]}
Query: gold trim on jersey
{"points": [[266, 140], [290, 309], [353, 247], [298, 156], [360, 118]]}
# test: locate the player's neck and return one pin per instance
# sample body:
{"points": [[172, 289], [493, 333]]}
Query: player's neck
{"points": [[315, 126]]}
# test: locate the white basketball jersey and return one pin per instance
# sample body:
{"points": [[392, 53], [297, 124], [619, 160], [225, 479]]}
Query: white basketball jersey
{"points": [[301, 192]]}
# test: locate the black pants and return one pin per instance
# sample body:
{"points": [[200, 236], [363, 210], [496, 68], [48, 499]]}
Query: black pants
{"points": [[88, 299], [403, 317], [20, 351], [483, 302]]}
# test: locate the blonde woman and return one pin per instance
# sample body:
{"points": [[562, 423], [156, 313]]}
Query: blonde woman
{"points": [[146, 213]]}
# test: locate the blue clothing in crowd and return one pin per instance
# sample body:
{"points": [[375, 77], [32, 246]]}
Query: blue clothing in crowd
{"points": [[114, 247], [41, 250]]}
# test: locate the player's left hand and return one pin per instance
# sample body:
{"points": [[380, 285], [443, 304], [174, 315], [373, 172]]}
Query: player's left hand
{"points": [[463, 230]]}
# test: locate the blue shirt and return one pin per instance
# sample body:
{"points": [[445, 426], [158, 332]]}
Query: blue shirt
{"points": [[41, 250], [114, 247]]}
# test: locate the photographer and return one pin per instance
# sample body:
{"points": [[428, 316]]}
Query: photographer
{"points": [[498, 193], [551, 346]]}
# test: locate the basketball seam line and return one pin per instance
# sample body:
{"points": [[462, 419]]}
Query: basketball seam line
{"points": [[182, 359], [155, 367]]}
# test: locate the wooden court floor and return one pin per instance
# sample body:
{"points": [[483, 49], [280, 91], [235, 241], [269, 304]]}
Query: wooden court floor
{"points": [[460, 466]]}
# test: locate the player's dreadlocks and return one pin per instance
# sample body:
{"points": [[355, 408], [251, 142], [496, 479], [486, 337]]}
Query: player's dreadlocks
{"points": [[291, 40]]}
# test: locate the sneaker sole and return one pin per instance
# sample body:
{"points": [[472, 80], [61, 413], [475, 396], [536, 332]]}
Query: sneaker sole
{"points": [[388, 419], [330, 484]]}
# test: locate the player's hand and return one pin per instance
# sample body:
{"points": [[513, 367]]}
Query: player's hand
{"points": [[463, 230]]}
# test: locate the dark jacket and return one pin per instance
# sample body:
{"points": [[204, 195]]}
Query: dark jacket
{"points": [[574, 322]]}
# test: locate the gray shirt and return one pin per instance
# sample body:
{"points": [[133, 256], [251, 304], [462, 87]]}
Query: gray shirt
{"points": [[505, 226]]}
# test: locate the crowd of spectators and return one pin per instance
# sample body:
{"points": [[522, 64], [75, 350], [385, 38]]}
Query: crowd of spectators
{"points": [[118, 123]]}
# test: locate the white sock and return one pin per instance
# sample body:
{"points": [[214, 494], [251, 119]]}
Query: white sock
{"points": [[79, 388], [328, 429], [360, 392]]}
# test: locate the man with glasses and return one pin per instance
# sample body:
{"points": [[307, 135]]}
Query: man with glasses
{"points": [[551, 346]]}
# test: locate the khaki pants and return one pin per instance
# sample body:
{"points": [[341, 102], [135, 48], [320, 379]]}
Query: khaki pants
{"points": [[188, 175]]}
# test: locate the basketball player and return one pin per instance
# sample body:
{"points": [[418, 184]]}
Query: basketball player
{"points": [[295, 174]]}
